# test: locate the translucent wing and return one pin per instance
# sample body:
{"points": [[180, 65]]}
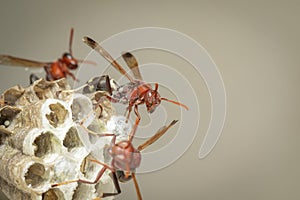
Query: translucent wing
{"points": [[132, 64], [94, 45], [155, 137], [14, 61]]}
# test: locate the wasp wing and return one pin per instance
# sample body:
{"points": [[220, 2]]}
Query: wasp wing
{"points": [[132, 64], [15, 61], [157, 135], [96, 46]]}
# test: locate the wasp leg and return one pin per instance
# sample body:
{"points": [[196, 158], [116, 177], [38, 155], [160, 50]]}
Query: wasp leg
{"points": [[136, 185], [113, 177], [137, 121], [99, 175], [117, 186]]}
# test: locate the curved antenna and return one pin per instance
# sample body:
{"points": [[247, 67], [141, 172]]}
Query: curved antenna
{"points": [[156, 86], [175, 102], [71, 41]]}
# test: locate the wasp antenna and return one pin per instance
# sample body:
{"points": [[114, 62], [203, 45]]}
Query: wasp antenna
{"points": [[175, 102], [71, 40], [156, 86], [87, 62]]}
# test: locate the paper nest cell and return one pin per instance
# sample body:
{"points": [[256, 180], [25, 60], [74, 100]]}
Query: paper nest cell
{"points": [[42, 142]]}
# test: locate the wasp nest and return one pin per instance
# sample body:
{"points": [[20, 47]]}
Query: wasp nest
{"points": [[43, 140]]}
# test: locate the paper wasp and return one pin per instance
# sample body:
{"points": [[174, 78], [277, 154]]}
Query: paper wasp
{"points": [[135, 92], [54, 70], [125, 159]]}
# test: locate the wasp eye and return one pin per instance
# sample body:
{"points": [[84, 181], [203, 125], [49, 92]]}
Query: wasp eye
{"points": [[70, 61], [67, 56]]}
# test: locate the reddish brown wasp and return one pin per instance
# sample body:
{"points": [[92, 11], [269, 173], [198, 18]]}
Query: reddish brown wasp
{"points": [[54, 70], [136, 92], [125, 159]]}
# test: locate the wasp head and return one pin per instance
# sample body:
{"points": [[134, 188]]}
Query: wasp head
{"points": [[152, 100], [70, 61]]}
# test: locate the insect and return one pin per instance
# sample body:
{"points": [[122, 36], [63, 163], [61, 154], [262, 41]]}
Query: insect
{"points": [[136, 92], [125, 159], [54, 70]]}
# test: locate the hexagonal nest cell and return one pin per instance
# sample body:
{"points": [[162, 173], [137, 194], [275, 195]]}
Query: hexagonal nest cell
{"points": [[36, 175], [53, 194], [58, 114], [8, 113], [72, 139], [40, 143], [45, 144]]}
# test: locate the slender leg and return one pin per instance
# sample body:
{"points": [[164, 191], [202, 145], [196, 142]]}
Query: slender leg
{"points": [[97, 134], [99, 175], [113, 177], [72, 75], [137, 121], [117, 186], [137, 112], [111, 99], [100, 163], [129, 108], [138, 192], [155, 137], [94, 133]]}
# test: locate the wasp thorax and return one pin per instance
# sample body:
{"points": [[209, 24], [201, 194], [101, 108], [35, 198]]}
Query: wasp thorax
{"points": [[125, 156]]}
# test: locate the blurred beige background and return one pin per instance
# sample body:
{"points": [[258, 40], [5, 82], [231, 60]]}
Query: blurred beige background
{"points": [[255, 45]]}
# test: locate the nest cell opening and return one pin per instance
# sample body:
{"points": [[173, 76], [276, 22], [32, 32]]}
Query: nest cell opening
{"points": [[58, 114], [36, 175], [46, 144], [53, 194], [7, 114], [13, 94], [72, 139], [82, 109]]}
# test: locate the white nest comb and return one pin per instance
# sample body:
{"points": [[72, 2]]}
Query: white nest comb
{"points": [[41, 143]]}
